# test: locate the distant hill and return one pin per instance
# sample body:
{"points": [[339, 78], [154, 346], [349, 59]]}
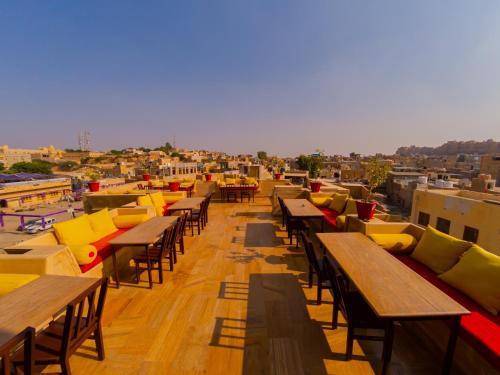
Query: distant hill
{"points": [[453, 148]]}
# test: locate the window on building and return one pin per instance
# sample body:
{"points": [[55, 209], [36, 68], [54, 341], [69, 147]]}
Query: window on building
{"points": [[443, 225], [424, 218], [470, 234]]}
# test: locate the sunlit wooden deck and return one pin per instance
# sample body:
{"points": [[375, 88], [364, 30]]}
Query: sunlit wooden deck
{"points": [[237, 303]]}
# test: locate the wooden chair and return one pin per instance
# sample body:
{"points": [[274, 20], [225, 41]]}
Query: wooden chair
{"points": [[196, 216], [284, 212], [63, 336], [179, 238], [208, 199], [294, 226], [153, 258], [316, 267], [26, 338], [245, 192], [356, 311]]}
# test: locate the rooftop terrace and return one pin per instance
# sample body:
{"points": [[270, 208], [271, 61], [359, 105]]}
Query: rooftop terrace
{"points": [[237, 303]]}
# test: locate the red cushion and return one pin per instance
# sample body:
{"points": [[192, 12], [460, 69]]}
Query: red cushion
{"points": [[330, 215], [165, 208], [480, 329], [103, 249]]}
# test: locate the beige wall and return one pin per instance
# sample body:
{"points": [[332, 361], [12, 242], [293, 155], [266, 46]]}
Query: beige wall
{"points": [[462, 208]]}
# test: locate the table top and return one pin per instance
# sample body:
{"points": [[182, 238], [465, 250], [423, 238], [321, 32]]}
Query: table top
{"points": [[302, 208], [186, 204], [37, 302], [145, 233], [392, 289]]}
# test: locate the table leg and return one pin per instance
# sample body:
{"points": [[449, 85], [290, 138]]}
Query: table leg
{"points": [[452, 341], [387, 349], [115, 267], [192, 223], [323, 225], [148, 260]]}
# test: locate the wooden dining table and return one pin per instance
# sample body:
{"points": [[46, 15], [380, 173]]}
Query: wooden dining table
{"points": [[394, 291], [303, 209], [36, 303], [187, 204], [144, 234]]}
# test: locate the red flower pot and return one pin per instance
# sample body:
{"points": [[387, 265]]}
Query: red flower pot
{"points": [[94, 186], [277, 176], [146, 177], [174, 186], [315, 186], [365, 209], [208, 177]]}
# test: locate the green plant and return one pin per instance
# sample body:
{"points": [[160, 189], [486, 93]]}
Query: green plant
{"points": [[36, 166], [311, 163], [93, 176], [262, 155], [376, 173], [68, 165]]}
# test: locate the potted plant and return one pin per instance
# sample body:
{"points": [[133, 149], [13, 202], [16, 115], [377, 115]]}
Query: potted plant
{"points": [[376, 173], [94, 183], [208, 177]]}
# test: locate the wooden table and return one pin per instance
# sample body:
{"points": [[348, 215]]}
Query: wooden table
{"points": [[238, 188], [303, 209], [144, 234], [37, 302], [394, 291], [187, 204]]}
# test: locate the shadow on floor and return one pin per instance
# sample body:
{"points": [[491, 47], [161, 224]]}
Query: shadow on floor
{"points": [[254, 215], [261, 235]]}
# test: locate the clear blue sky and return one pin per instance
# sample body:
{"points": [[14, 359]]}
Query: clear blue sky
{"points": [[286, 76]]}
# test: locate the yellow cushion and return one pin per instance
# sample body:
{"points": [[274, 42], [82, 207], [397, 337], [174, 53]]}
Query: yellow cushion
{"points": [[144, 200], [11, 281], [340, 221], [439, 251], [338, 202], [158, 202], [222, 183], [321, 201], [250, 181], [350, 207], [188, 181], [477, 274], [398, 243], [173, 196], [129, 221], [231, 181], [84, 254], [75, 231], [101, 223]]}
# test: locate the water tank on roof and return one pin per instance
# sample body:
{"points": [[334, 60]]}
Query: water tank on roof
{"points": [[422, 179]]}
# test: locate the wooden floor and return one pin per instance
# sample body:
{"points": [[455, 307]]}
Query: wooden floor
{"points": [[237, 303]]}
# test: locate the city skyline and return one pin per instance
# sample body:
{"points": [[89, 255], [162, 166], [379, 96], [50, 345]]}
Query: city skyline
{"points": [[285, 77]]}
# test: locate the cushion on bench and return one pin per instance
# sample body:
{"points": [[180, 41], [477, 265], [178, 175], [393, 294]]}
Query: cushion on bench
{"points": [[480, 329], [330, 215], [103, 250]]}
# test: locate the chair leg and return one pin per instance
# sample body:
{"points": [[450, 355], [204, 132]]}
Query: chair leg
{"points": [[335, 317], [174, 254], [350, 341], [199, 227], [181, 245], [65, 369], [160, 271], [99, 344], [319, 291], [137, 275], [171, 261], [310, 276]]}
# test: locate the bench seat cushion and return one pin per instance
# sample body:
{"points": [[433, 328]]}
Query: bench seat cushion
{"points": [[330, 215], [11, 281], [103, 250], [480, 329]]}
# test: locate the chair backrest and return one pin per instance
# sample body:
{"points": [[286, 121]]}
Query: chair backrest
{"points": [[339, 286], [140, 186], [27, 338], [182, 226], [282, 205], [83, 317], [311, 255]]}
